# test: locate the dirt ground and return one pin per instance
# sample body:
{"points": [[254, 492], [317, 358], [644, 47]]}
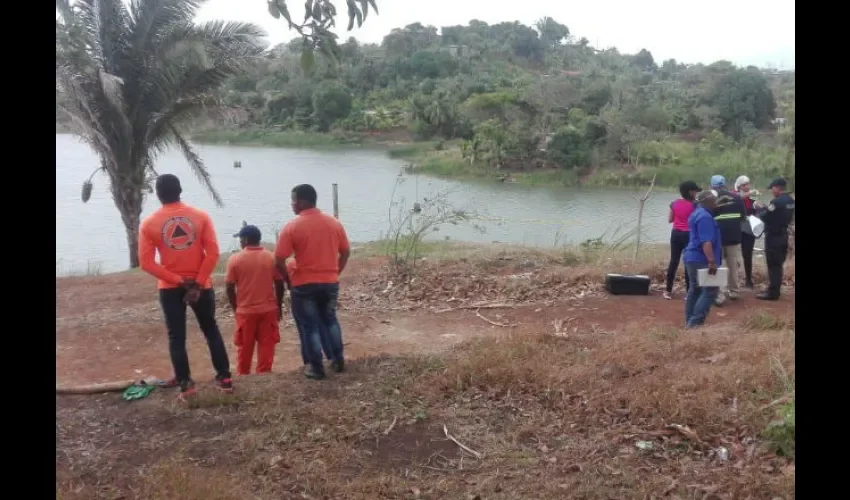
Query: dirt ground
{"points": [[504, 376], [110, 328]]}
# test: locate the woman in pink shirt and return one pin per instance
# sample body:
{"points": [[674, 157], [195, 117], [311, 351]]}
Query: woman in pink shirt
{"points": [[680, 210]]}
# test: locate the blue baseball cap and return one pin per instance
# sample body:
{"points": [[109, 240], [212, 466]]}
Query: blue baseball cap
{"points": [[718, 180], [249, 232]]}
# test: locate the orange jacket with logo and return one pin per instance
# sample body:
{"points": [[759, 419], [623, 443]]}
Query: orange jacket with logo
{"points": [[185, 239]]}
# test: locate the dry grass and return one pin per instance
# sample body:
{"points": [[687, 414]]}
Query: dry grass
{"points": [[91, 268], [761, 320], [553, 417], [463, 274], [591, 258]]}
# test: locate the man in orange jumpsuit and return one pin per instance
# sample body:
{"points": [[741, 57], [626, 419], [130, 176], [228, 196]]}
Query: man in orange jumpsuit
{"points": [[188, 251], [255, 293]]}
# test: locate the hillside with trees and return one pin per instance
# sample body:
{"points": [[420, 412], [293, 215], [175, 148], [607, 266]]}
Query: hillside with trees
{"points": [[513, 101]]}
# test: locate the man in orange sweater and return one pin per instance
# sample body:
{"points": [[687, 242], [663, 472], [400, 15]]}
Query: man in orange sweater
{"points": [[321, 249], [185, 239], [255, 293]]}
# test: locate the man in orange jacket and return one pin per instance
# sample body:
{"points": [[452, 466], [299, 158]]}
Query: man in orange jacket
{"points": [[255, 293], [185, 239]]}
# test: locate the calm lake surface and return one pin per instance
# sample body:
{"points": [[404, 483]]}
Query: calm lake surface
{"points": [[91, 235]]}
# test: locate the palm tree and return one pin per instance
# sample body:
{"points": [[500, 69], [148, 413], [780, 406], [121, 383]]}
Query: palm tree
{"points": [[129, 77]]}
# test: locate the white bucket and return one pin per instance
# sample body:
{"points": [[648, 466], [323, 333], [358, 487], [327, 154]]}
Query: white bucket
{"points": [[756, 226]]}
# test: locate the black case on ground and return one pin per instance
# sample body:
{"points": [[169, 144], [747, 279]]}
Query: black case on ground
{"points": [[627, 284]]}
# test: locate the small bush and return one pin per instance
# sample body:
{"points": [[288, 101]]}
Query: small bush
{"points": [[780, 433]]}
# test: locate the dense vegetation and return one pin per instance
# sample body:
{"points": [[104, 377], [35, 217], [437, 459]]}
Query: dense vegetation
{"points": [[510, 97]]}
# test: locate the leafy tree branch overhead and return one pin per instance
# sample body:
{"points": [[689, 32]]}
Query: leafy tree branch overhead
{"points": [[129, 78], [319, 18]]}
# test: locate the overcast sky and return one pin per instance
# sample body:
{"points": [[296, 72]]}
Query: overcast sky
{"points": [[759, 32]]}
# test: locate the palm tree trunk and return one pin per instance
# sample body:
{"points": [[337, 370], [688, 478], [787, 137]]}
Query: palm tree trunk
{"points": [[128, 199]]}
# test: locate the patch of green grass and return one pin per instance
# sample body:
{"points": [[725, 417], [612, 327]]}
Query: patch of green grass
{"points": [[781, 432], [412, 151], [548, 177], [673, 162], [451, 164], [670, 162], [277, 138], [448, 162]]}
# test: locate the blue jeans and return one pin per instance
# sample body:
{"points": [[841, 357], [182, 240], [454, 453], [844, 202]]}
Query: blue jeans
{"points": [[700, 299], [323, 335], [314, 311]]}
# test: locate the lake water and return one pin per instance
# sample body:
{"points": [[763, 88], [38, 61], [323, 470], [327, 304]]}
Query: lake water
{"points": [[91, 234]]}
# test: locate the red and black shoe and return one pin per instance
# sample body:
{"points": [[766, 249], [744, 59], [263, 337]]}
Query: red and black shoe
{"points": [[168, 384], [224, 384], [187, 391]]}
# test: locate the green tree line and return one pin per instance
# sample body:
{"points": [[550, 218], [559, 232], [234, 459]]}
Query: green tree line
{"points": [[515, 95]]}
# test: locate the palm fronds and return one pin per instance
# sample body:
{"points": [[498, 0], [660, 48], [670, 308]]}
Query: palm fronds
{"points": [[130, 75]]}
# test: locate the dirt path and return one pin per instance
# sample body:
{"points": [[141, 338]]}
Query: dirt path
{"points": [[110, 327]]}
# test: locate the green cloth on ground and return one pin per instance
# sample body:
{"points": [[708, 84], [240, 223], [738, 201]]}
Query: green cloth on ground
{"points": [[138, 391]]}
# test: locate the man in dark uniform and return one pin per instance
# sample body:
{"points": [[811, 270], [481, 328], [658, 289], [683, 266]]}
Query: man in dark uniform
{"points": [[777, 215]]}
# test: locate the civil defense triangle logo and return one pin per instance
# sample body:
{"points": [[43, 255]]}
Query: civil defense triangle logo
{"points": [[178, 233]]}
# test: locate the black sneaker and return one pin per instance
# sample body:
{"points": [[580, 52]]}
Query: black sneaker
{"points": [[224, 384], [749, 285], [766, 296], [338, 366], [313, 374]]}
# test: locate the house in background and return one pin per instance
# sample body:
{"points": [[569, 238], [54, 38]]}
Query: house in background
{"points": [[779, 122]]}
